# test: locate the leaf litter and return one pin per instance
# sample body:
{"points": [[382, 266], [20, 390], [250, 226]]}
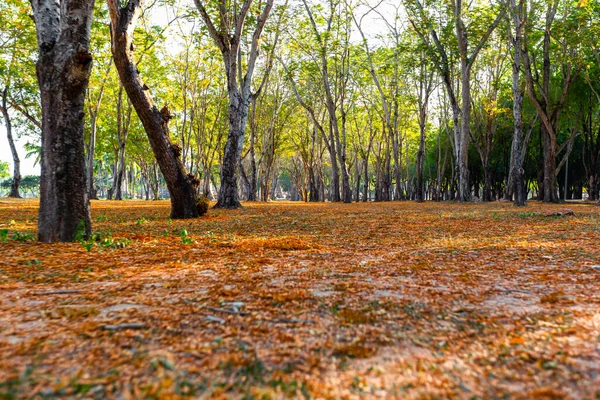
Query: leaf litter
{"points": [[389, 300]]}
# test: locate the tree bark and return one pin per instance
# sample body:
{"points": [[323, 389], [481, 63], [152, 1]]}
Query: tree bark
{"points": [[16, 180], [181, 186], [63, 70], [238, 87]]}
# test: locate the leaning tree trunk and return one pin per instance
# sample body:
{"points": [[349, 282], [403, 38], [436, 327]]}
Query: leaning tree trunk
{"points": [[16, 180], [181, 186], [63, 70]]}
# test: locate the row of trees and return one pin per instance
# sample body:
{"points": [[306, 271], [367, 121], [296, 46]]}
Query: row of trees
{"points": [[344, 99]]}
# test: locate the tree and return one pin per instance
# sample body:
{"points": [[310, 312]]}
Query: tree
{"points": [[467, 57], [518, 148], [425, 87], [181, 185], [227, 35], [16, 180], [63, 70], [542, 86]]}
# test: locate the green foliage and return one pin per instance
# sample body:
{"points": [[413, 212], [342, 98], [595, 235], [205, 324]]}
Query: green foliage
{"points": [[22, 237], [105, 240], [4, 171], [185, 239]]}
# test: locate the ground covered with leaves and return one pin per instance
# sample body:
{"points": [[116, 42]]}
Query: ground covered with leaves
{"points": [[396, 300]]}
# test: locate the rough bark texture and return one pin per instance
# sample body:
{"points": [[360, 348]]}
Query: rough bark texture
{"points": [[181, 186], [63, 69], [16, 180], [238, 87]]}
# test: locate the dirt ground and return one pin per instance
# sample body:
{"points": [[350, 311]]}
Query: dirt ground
{"points": [[279, 300]]}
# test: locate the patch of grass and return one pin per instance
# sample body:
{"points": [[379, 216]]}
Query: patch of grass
{"points": [[185, 239], [22, 237], [527, 214]]}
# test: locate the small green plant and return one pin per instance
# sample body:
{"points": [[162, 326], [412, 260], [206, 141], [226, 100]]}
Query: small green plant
{"points": [[106, 241], [101, 218], [33, 262], [185, 239], [529, 214], [4, 235], [88, 245], [110, 243], [22, 237], [80, 232], [141, 221]]}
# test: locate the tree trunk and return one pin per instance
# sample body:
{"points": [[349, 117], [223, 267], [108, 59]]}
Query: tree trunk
{"points": [[181, 186], [253, 170], [239, 95], [16, 180], [517, 174], [420, 164], [238, 112], [464, 186], [63, 70], [549, 143]]}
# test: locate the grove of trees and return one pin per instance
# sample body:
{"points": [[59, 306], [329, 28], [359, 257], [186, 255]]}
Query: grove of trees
{"points": [[310, 100]]}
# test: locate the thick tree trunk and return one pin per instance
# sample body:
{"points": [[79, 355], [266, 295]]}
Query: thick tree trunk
{"points": [[63, 70], [487, 195], [238, 116], [181, 186], [550, 192], [517, 174], [228, 192], [464, 186], [16, 179]]}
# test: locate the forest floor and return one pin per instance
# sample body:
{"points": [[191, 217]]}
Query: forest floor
{"points": [[393, 300]]}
